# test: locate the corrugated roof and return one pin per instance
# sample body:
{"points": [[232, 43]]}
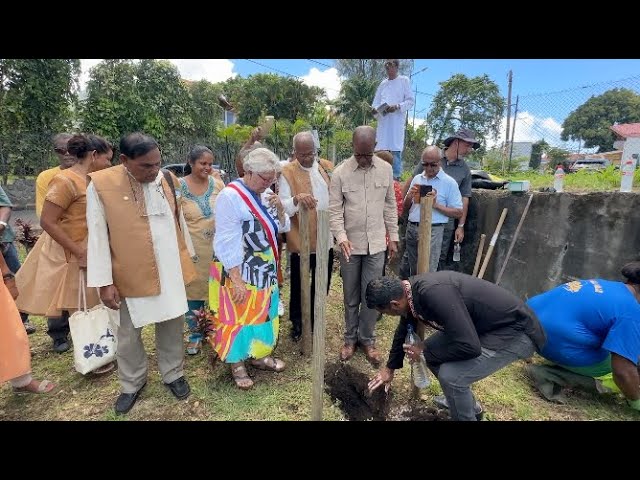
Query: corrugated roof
{"points": [[626, 130]]}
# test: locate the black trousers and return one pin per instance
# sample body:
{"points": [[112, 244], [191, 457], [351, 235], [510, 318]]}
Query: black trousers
{"points": [[295, 300], [58, 327]]}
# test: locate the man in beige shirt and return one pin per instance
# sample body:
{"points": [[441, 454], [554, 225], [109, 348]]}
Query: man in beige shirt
{"points": [[362, 211]]}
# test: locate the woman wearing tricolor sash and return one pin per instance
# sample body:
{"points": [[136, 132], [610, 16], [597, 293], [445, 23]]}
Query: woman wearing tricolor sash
{"points": [[243, 284]]}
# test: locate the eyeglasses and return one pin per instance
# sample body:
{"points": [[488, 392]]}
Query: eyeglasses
{"points": [[305, 155], [363, 155], [266, 180], [427, 164], [61, 151]]}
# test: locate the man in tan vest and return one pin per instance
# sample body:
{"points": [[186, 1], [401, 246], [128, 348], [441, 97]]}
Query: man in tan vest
{"points": [[138, 258], [304, 181]]}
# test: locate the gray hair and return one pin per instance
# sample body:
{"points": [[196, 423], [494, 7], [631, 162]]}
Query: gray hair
{"points": [[261, 160], [431, 148], [305, 136]]}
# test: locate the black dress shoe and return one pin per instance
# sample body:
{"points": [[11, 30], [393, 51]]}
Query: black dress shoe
{"points": [[180, 388], [126, 401], [61, 345]]}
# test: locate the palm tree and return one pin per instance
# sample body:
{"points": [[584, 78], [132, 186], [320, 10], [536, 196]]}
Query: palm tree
{"points": [[354, 103]]}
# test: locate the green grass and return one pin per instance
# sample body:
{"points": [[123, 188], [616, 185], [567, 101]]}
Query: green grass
{"points": [[506, 395], [583, 181]]}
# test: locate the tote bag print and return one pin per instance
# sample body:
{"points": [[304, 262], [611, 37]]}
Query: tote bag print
{"points": [[93, 333]]}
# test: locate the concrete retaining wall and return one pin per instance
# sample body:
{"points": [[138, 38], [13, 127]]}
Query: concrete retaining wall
{"points": [[565, 236]]}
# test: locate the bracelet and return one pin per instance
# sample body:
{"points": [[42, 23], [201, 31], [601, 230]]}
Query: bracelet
{"points": [[460, 225]]}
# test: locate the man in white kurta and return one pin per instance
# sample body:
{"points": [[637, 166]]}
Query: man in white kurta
{"points": [[165, 310], [395, 92]]}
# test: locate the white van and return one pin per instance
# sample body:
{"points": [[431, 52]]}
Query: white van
{"points": [[590, 164]]}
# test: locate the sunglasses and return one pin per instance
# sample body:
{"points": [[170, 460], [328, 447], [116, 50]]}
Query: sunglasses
{"points": [[61, 151], [425, 164], [363, 155]]}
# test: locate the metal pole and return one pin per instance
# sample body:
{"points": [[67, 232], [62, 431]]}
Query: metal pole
{"points": [[506, 138]]}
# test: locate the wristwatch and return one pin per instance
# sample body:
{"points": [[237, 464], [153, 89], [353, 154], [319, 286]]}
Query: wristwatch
{"points": [[460, 225]]}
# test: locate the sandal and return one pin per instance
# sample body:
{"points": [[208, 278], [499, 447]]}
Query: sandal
{"points": [[240, 376], [193, 348], [104, 369], [35, 386], [268, 363]]}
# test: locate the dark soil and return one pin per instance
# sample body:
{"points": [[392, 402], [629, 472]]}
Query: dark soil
{"points": [[348, 389]]}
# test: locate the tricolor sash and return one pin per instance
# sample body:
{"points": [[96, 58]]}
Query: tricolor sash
{"points": [[260, 212]]}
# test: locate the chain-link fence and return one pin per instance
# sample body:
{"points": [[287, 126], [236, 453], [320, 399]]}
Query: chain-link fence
{"points": [[539, 114]]}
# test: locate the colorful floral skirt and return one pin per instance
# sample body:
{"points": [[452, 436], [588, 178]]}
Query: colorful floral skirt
{"points": [[244, 330]]}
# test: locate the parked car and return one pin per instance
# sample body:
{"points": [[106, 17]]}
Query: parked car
{"points": [[591, 164], [178, 170], [482, 179]]}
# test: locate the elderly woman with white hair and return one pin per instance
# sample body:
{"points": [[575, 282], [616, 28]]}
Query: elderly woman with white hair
{"points": [[243, 284]]}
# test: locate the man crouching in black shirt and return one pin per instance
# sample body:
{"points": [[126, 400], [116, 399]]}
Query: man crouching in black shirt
{"points": [[481, 328]]}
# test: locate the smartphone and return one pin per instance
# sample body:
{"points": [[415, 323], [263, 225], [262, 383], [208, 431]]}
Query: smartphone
{"points": [[424, 189]]}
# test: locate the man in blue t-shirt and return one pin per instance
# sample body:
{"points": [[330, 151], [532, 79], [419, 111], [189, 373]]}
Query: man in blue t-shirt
{"points": [[593, 336]]}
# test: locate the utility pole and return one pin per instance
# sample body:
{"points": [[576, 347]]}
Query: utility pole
{"points": [[506, 141], [513, 132], [415, 103]]}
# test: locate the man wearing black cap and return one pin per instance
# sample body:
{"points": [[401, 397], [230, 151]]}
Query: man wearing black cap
{"points": [[457, 147]]}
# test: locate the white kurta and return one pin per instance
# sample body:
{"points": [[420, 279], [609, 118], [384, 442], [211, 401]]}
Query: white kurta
{"points": [[390, 133], [172, 301], [319, 190]]}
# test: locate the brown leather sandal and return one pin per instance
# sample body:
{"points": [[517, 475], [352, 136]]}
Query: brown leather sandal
{"points": [[268, 363], [240, 376]]}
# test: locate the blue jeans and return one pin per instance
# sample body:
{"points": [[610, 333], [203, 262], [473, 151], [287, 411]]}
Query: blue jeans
{"points": [[397, 164], [192, 322], [10, 255]]}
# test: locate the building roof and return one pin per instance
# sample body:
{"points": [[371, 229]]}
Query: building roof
{"points": [[626, 130]]}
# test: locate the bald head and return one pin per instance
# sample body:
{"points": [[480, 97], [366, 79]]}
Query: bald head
{"points": [[304, 148], [431, 160], [364, 141]]}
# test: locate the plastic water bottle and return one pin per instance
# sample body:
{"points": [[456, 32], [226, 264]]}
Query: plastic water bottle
{"points": [[456, 252], [628, 169], [419, 371], [558, 179]]}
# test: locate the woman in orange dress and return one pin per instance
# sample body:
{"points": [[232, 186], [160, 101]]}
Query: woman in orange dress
{"points": [[15, 357], [49, 276]]}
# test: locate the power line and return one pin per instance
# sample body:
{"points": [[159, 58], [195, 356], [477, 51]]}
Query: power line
{"points": [[286, 73], [637, 77], [320, 63]]}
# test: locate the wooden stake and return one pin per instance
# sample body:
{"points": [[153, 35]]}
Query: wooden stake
{"points": [[492, 243], [305, 280], [513, 240], [424, 254], [322, 273], [479, 255]]}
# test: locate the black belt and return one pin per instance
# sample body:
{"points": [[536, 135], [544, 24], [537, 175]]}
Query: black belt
{"points": [[433, 224]]}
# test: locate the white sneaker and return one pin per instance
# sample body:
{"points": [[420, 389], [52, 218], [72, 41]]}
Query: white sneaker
{"points": [[280, 308]]}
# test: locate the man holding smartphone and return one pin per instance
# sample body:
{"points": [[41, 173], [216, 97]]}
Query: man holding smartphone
{"points": [[447, 203]]}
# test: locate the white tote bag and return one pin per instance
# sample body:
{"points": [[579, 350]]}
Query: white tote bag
{"points": [[93, 333]]}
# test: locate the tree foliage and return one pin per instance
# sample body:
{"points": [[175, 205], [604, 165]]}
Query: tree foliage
{"points": [[537, 149], [369, 68], [124, 96], [37, 99], [473, 103], [592, 120], [354, 102], [285, 98]]}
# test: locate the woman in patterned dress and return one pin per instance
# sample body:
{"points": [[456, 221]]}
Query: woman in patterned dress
{"points": [[198, 193], [243, 285]]}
